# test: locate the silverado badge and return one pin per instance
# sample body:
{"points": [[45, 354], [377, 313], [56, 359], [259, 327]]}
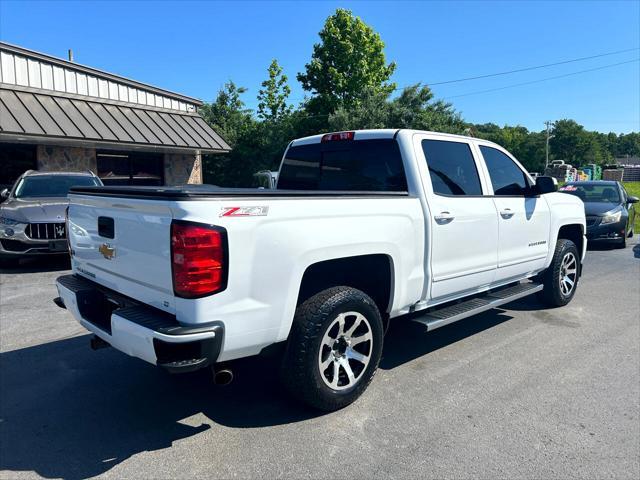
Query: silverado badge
{"points": [[107, 251]]}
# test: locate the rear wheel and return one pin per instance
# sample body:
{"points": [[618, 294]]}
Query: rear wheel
{"points": [[561, 278], [334, 348]]}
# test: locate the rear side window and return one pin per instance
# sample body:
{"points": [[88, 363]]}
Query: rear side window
{"points": [[507, 178], [360, 165], [451, 168]]}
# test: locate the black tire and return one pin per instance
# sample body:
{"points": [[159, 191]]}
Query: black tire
{"points": [[554, 294], [622, 243], [314, 322]]}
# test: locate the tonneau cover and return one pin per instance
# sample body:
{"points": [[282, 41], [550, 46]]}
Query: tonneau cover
{"points": [[187, 192]]}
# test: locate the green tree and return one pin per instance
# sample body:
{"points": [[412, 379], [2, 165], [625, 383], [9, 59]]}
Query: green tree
{"points": [[227, 114], [272, 97], [413, 108], [348, 61]]}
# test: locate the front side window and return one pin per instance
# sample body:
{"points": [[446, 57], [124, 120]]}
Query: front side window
{"points": [[451, 168], [507, 178]]}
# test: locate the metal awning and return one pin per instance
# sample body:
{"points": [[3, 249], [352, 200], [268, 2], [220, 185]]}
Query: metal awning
{"points": [[41, 116]]}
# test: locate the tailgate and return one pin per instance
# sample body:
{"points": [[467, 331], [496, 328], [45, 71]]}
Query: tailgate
{"points": [[124, 244]]}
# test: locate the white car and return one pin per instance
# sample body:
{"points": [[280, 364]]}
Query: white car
{"points": [[363, 227]]}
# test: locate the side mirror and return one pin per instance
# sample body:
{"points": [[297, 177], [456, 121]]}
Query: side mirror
{"points": [[545, 185], [4, 194], [633, 199]]}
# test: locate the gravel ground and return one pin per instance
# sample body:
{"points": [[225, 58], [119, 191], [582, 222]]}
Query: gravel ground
{"points": [[519, 392]]}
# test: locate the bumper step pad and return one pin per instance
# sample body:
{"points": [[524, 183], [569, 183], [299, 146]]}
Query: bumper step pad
{"points": [[178, 347]]}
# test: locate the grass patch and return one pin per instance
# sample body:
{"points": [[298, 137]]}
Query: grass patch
{"points": [[633, 189]]}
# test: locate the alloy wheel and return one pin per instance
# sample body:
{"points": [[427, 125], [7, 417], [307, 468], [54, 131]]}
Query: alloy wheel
{"points": [[345, 351], [568, 273]]}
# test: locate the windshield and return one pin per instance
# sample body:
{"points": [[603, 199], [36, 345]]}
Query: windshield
{"points": [[593, 193], [51, 185]]}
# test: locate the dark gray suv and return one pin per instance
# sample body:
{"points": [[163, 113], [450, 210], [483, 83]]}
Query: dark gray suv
{"points": [[32, 213]]}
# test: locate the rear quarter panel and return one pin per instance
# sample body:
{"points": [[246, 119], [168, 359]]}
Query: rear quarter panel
{"points": [[269, 254]]}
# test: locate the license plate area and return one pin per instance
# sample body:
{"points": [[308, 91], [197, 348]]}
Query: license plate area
{"points": [[96, 308], [58, 245]]}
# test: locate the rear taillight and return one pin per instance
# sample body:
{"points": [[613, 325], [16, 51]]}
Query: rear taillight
{"points": [[198, 259], [338, 136]]}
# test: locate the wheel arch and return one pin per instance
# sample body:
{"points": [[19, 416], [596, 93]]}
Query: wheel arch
{"points": [[371, 273], [573, 232]]}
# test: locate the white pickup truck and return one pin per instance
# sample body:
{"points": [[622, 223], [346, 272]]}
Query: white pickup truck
{"points": [[363, 227]]}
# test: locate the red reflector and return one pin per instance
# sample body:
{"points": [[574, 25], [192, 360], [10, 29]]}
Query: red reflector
{"points": [[198, 258], [338, 136]]}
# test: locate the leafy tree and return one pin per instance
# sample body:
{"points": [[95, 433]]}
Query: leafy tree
{"points": [[272, 97], [348, 61], [413, 108], [227, 114]]}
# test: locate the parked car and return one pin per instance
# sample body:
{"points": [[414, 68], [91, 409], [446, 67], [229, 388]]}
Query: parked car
{"points": [[609, 210], [363, 227], [32, 215]]}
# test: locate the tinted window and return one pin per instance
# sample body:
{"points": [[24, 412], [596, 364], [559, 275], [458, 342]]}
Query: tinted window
{"points": [[132, 168], [365, 165], [506, 177], [51, 185], [451, 167]]}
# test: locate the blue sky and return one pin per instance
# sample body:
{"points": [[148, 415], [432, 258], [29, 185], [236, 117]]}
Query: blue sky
{"points": [[194, 47]]}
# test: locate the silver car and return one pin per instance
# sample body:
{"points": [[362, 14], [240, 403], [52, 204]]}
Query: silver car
{"points": [[32, 213]]}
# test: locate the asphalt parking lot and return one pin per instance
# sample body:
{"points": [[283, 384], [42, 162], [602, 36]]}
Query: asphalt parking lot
{"points": [[519, 392]]}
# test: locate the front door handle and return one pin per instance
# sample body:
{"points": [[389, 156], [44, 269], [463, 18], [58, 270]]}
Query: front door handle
{"points": [[506, 213], [444, 218]]}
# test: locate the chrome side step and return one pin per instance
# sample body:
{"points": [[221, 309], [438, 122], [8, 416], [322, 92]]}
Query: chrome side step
{"points": [[441, 316]]}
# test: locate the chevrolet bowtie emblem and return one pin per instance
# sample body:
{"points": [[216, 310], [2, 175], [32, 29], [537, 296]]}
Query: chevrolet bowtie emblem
{"points": [[107, 251]]}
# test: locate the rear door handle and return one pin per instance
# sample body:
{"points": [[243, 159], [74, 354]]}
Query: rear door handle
{"points": [[444, 218], [506, 213]]}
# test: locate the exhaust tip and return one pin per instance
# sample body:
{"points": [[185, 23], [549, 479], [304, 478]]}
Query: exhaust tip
{"points": [[223, 377]]}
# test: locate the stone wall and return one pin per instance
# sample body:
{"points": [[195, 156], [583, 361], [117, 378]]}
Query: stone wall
{"points": [[60, 159], [180, 169]]}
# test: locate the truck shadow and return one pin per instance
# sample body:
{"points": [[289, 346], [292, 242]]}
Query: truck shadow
{"points": [[66, 411], [38, 265]]}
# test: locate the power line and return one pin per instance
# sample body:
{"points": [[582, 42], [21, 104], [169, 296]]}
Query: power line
{"points": [[508, 72], [541, 80], [526, 69]]}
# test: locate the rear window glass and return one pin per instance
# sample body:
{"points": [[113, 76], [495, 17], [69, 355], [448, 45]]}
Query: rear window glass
{"points": [[361, 165]]}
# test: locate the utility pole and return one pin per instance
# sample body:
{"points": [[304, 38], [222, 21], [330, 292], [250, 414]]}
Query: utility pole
{"points": [[549, 137]]}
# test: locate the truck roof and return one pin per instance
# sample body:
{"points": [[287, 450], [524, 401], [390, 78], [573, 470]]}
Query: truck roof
{"points": [[377, 133]]}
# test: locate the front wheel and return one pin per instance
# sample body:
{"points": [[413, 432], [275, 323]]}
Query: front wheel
{"points": [[334, 348], [561, 278]]}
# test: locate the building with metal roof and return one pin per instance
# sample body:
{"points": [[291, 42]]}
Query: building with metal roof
{"points": [[58, 115]]}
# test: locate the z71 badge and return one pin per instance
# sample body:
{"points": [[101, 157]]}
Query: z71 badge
{"points": [[256, 211]]}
